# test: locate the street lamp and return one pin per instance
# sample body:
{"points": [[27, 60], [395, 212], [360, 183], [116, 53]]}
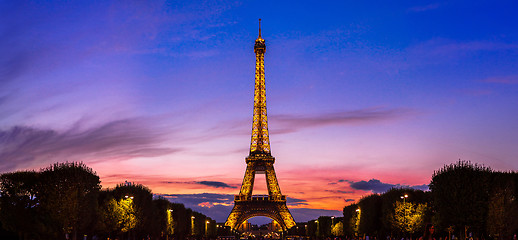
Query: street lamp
{"points": [[130, 198], [404, 197], [318, 228], [357, 221], [207, 228], [192, 225], [169, 223]]}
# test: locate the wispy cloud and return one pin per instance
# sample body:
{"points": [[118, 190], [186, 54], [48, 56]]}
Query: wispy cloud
{"points": [[195, 199], [292, 123], [338, 191], [424, 8], [23, 147], [295, 202], [215, 184], [507, 80]]}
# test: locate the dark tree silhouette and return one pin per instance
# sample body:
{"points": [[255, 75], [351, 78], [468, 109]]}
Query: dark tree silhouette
{"points": [[502, 220], [18, 203], [67, 194], [370, 207], [460, 196], [351, 213]]}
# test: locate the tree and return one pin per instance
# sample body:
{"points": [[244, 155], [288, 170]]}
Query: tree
{"points": [[370, 209], [109, 217], [324, 225], [141, 200], [503, 207], [460, 196], [351, 219], [182, 220], [409, 217], [338, 229], [18, 203], [67, 193], [164, 223]]}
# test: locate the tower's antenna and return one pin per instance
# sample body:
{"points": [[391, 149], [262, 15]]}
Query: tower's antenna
{"points": [[259, 27]]}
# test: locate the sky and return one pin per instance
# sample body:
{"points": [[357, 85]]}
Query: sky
{"points": [[362, 96]]}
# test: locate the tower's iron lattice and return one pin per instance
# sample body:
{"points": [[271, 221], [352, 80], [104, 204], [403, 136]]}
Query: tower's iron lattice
{"points": [[260, 161]]}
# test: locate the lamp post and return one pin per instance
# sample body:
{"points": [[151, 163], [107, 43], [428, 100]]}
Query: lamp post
{"points": [[357, 223], [192, 225], [207, 228], [130, 198], [318, 228], [404, 197], [169, 223], [332, 225]]}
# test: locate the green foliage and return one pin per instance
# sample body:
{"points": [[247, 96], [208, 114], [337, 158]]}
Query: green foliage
{"points": [[67, 194], [351, 219], [409, 217], [461, 195], [338, 229], [127, 218], [65, 198], [384, 214], [109, 216], [135, 202]]}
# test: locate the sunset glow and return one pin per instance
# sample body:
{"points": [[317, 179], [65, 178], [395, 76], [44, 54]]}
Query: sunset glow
{"points": [[361, 97]]}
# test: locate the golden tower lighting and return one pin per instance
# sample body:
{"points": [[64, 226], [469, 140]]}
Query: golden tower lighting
{"points": [[260, 161]]}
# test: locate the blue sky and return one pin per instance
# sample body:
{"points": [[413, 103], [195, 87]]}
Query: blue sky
{"points": [[361, 95]]}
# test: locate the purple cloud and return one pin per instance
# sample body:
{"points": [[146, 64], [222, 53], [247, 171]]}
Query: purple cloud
{"points": [[295, 202], [215, 184], [338, 191], [23, 147], [292, 123], [376, 186]]}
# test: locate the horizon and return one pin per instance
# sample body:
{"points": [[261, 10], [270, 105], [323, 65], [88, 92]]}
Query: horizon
{"points": [[361, 97]]}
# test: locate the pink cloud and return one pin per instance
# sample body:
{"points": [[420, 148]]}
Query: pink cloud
{"points": [[206, 204]]}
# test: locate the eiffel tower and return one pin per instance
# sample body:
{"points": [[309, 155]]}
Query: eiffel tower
{"points": [[260, 161]]}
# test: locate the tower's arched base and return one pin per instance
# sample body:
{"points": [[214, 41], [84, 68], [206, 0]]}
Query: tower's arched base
{"points": [[266, 206]]}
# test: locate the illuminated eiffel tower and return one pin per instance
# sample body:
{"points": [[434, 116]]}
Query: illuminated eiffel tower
{"points": [[260, 161]]}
